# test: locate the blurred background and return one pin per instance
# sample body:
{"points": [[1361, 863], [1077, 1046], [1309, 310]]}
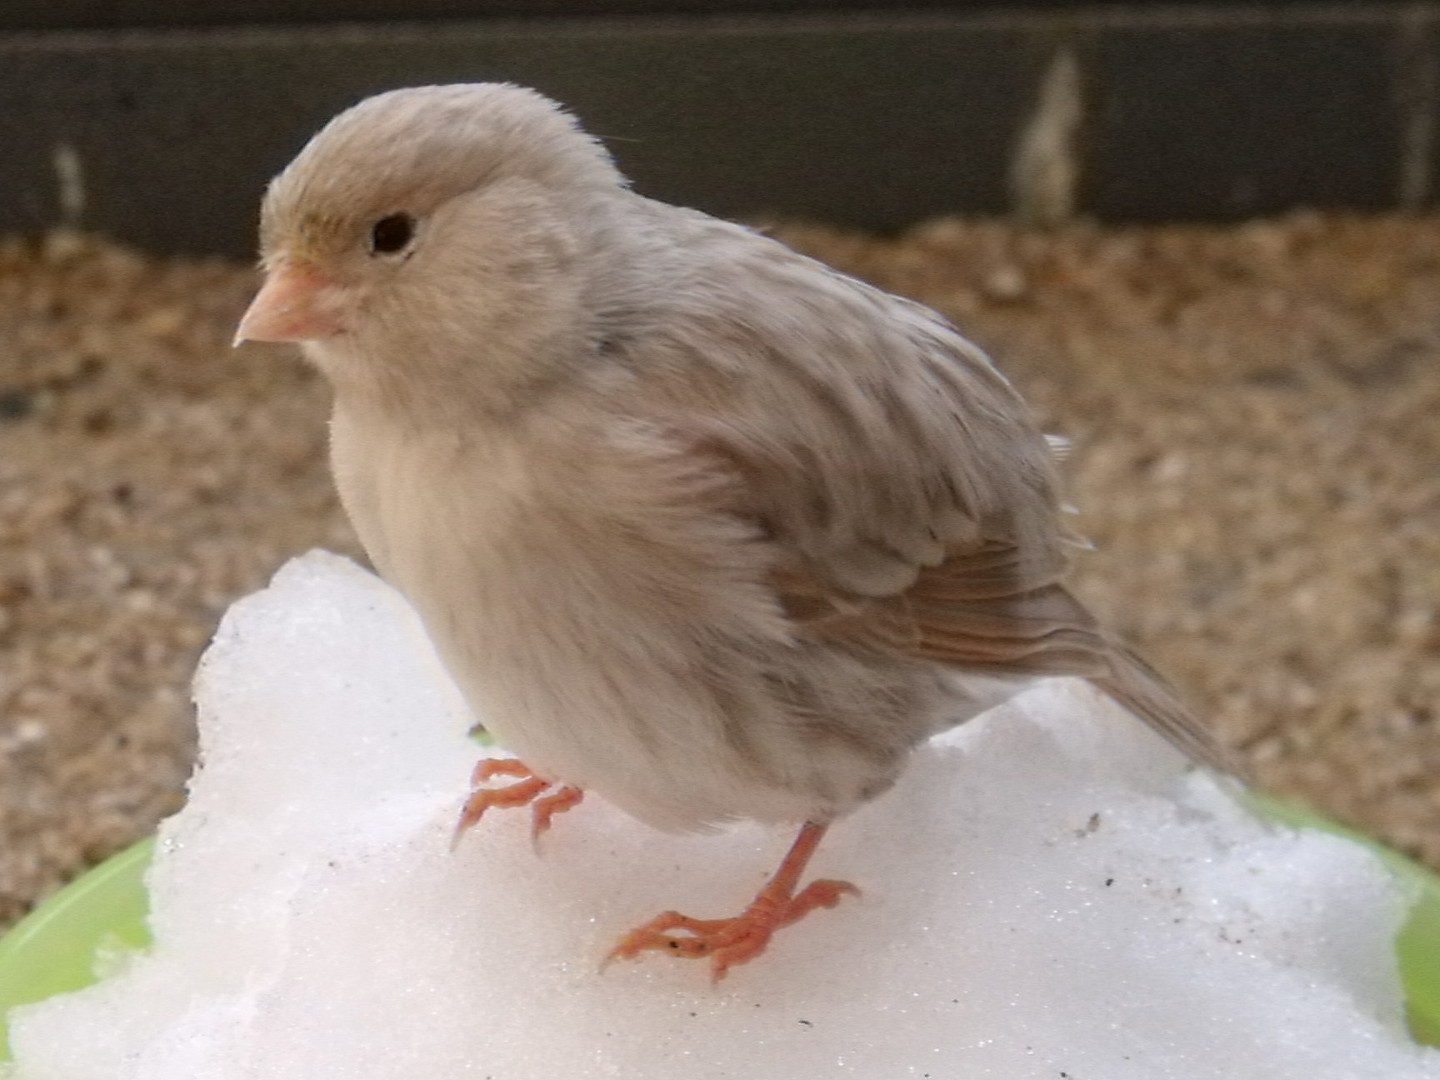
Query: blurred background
{"points": [[1198, 236]]}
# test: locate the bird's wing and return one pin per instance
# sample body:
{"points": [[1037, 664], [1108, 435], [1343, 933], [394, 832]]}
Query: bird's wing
{"points": [[968, 612], [912, 500]]}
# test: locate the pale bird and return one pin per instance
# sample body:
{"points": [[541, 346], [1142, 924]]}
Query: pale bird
{"points": [[695, 522]]}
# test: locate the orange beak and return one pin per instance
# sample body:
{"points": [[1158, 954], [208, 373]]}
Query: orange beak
{"points": [[296, 303]]}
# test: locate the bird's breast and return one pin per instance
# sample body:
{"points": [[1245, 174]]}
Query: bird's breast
{"points": [[615, 637], [568, 669]]}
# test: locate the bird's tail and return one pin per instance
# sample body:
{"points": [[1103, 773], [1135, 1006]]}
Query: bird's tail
{"points": [[1145, 692]]}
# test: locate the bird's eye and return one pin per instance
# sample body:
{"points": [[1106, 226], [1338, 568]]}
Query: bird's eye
{"points": [[391, 234]]}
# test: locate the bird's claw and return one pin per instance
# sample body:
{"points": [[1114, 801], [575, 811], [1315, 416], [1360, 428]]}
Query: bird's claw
{"points": [[728, 942], [547, 806], [527, 790]]}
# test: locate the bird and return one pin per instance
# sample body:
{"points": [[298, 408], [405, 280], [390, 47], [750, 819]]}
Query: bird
{"points": [[695, 522]]}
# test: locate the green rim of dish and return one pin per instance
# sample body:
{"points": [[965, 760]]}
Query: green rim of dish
{"points": [[1418, 943], [55, 948]]}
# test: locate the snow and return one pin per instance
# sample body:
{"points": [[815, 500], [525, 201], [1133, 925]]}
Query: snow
{"points": [[1047, 894]]}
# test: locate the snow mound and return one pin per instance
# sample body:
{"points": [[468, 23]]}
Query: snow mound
{"points": [[1046, 894]]}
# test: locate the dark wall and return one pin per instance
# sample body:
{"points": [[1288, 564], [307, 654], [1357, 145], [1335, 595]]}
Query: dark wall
{"points": [[115, 14], [166, 138]]}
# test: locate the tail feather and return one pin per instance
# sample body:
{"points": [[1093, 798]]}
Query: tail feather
{"points": [[1141, 689]]}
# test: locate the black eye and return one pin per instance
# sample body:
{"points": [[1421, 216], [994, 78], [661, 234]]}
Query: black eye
{"points": [[392, 234]]}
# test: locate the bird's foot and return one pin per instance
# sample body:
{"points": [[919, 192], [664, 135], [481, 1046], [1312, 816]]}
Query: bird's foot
{"points": [[527, 790], [728, 942]]}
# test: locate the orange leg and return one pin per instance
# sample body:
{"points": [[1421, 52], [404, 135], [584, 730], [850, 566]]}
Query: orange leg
{"points": [[734, 941], [528, 790]]}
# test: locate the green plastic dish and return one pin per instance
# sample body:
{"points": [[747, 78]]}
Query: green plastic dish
{"points": [[1418, 943], [54, 949]]}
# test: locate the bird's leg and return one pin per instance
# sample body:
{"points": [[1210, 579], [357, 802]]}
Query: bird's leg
{"points": [[528, 790], [728, 942]]}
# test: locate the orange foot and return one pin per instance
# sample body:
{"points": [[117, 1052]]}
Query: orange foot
{"points": [[528, 790], [728, 942]]}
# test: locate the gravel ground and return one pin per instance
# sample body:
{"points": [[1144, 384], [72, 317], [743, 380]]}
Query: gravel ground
{"points": [[1257, 457]]}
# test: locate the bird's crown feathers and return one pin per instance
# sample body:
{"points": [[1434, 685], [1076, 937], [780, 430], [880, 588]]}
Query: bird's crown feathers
{"points": [[411, 149]]}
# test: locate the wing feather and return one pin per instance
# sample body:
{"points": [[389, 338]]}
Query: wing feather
{"points": [[912, 500]]}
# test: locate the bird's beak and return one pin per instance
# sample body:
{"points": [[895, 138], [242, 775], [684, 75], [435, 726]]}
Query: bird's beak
{"points": [[296, 303]]}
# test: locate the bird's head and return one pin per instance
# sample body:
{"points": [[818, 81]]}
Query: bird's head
{"points": [[424, 225]]}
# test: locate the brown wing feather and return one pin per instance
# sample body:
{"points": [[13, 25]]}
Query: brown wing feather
{"points": [[974, 612]]}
